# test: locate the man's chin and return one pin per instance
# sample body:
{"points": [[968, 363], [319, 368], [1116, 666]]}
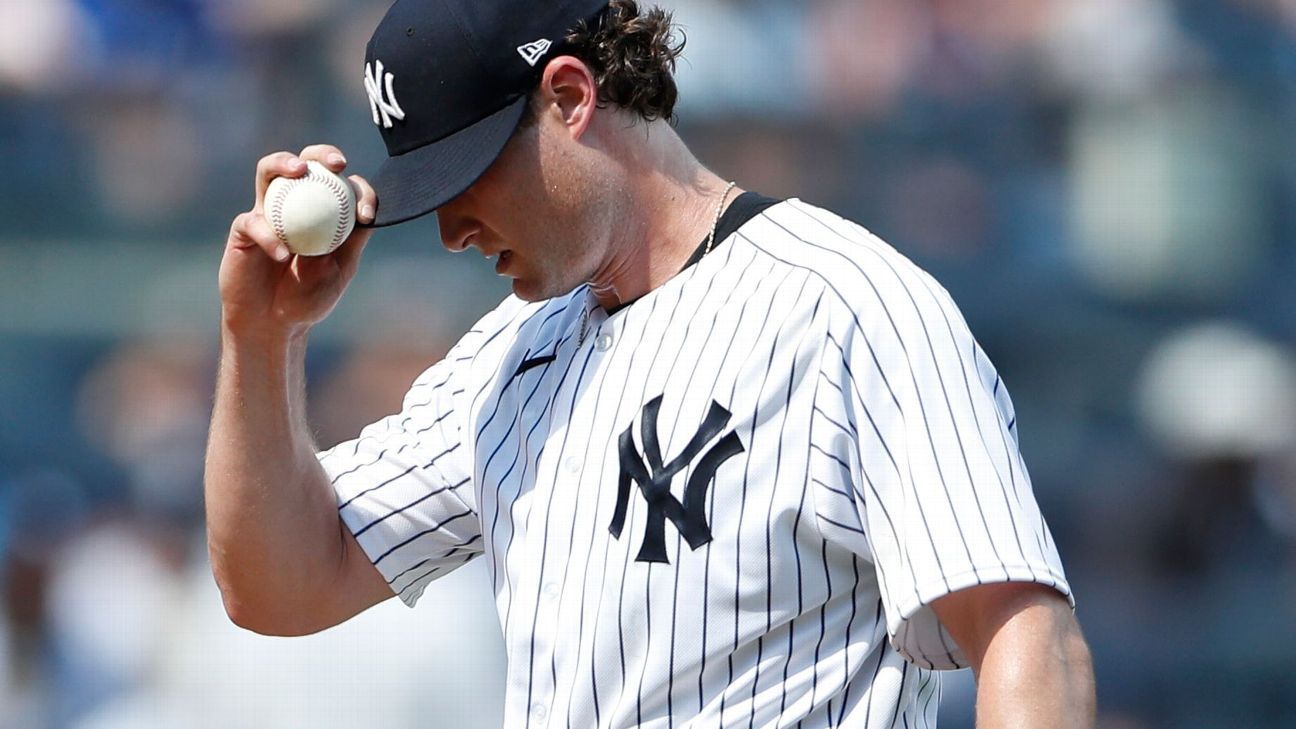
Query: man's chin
{"points": [[532, 291]]}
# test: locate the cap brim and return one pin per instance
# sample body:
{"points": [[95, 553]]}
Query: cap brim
{"points": [[423, 179]]}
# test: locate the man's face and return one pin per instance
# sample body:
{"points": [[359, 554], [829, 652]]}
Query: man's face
{"points": [[534, 211]]}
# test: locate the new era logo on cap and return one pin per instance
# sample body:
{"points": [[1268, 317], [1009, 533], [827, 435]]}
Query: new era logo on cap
{"points": [[382, 98], [532, 52]]}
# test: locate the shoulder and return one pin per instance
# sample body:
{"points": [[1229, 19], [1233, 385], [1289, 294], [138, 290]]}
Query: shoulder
{"points": [[860, 272], [515, 320], [512, 329]]}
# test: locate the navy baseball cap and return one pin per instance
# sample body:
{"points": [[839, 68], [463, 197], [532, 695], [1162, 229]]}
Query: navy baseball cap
{"points": [[448, 82]]}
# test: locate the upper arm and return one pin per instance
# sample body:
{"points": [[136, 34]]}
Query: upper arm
{"points": [[322, 584], [406, 486], [405, 491], [359, 584], [934, 491], [1031, 662], [356, 587], [978, 615]]}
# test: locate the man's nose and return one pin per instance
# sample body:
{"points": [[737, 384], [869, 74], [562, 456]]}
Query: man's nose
{"points": [[457, 232]]}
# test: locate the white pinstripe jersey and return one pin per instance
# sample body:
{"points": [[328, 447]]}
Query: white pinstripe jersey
{"points": [[728, 504]]}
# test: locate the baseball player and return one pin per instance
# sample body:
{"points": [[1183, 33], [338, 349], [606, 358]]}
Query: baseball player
{"points": [[732, 461]]}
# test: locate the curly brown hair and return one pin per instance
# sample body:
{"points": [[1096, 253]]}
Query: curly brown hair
{"points": [[631, 53]]}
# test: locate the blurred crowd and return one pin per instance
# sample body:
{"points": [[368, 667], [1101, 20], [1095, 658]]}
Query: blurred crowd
{"points": [[1107, 187]]}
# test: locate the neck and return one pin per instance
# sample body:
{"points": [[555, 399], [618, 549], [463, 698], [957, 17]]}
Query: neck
{"points": [[666, 207]]}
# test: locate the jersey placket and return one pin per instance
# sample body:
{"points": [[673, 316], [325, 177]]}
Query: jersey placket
{"points": [[567, 471]]}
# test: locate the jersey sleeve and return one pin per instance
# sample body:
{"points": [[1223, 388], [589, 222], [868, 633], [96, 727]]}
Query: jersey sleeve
{"points": [[404, 485], [921, 473]]}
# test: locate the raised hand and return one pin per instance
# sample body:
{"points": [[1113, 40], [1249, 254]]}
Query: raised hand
{"points": [[264, 288]]}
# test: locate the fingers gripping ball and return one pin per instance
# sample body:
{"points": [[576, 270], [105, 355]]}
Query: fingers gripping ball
{"points": [[313, 214]]}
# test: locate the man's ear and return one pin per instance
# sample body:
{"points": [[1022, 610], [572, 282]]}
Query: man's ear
{"points": [[568, 90]]}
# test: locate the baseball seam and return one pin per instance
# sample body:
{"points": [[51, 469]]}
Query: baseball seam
{"points": [[276, 211], [335, 184]]}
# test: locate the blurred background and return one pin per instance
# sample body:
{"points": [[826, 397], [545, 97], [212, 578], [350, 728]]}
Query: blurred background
{"points": [[1107, 187]]}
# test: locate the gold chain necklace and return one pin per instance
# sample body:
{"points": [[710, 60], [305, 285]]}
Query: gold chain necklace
{"points": [[715, 224]]}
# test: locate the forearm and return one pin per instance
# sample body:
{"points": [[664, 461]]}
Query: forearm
{"points": [[273, 528], [1036, 672]]}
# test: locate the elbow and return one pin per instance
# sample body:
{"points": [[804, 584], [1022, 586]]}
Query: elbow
{"points": [[242, 611], [261, 614], [247, 617], [272, 623]]}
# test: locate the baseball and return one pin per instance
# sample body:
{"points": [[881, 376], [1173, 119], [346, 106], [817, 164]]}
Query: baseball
{"points": [[312, 214]]}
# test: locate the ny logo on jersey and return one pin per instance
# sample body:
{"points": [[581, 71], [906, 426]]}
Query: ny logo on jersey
{"points": [[654, 479], [382, 97]]}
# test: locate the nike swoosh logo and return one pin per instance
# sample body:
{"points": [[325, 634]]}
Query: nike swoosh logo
{"points": [[533, 363]]}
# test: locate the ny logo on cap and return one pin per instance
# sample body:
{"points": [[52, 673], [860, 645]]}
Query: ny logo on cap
{"points": [[533, 51], [382, 99]]}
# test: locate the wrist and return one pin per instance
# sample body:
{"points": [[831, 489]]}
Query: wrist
{"points": [[262, 335], [267, 366], [270, 346]]}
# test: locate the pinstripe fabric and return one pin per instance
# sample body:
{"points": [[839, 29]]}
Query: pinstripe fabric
{"points": [[878, 470]]}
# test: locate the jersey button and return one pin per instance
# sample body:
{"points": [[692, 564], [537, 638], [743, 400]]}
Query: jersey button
{"points": [[572, 464], [604, 342], [539, 712], [551, 589]]}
